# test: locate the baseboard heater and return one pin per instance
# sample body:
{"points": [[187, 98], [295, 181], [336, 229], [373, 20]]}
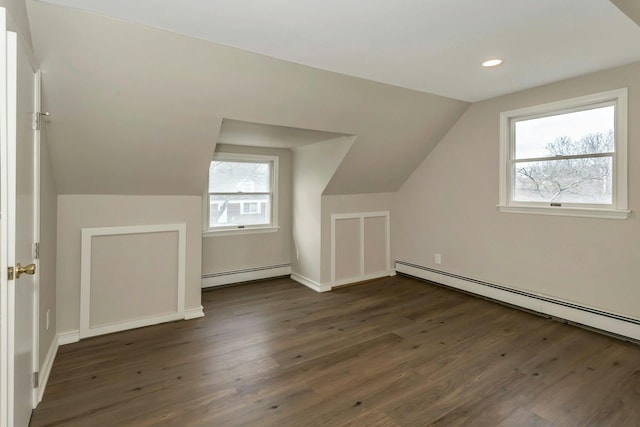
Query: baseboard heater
{"points": [[245, 275], [607, 322]]}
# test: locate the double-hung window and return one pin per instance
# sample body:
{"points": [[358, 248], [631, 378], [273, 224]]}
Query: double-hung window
{"points": [[566, 158], [241, 193]]}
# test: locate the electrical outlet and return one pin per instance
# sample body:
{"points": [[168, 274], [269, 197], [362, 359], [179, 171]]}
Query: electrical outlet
{"points": [[438, 259], [47, 321]]}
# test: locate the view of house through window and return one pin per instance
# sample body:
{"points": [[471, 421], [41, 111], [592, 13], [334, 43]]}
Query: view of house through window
{"points": [[240, 193]]}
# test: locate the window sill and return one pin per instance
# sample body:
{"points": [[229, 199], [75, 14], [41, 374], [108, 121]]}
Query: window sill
{"points": [[567, 211], [240, 231]]}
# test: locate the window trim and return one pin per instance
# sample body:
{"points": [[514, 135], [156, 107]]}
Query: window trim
{"points": [[249, 229], [619, 208]]}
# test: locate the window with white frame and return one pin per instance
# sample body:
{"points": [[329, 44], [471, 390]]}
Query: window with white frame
{"points": [[566, 158], [241, 192]]}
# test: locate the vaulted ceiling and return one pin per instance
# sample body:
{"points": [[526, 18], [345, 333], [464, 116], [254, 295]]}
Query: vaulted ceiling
{"points": [[433, 46], [138, 90], [137, 110]]}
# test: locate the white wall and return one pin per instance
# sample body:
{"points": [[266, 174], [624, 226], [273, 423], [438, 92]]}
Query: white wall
{"points": [[48, 238], [79, 211], [313, 167], [241, 251], [448, 206]]}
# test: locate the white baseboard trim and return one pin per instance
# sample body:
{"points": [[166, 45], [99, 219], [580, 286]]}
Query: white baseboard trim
{"points": [[193, 313], [583, 315], [131, 324], [68, 337], [310, 283], [366, 277], [245, 275], [45, 369]]}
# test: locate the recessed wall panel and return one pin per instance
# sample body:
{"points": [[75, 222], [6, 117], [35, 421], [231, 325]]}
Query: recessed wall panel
{"points": [[375, 245], [133, 276], [348, 248]]}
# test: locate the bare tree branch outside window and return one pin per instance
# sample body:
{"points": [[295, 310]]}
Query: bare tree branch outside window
{"points": [[581, 179]]}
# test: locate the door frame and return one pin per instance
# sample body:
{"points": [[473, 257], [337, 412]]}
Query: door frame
{"points": [[36, 230], [4, 229]]}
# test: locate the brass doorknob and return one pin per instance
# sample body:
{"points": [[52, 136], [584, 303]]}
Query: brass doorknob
{"points": [[27, 269]]}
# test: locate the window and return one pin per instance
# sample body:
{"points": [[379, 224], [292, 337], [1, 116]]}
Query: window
{"points": [[251, 208], [241, 193], [566, 158]]}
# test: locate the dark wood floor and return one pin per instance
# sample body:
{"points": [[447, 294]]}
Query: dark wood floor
{"points": [[393, 352]]}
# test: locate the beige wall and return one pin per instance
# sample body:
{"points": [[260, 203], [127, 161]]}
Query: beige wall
{"points": [[79, 211], [17, 19], [630, 7], [229, 253], [149, 287], [94, 81], [352, 203], [48, 237], [448, 206], [313, 167]]}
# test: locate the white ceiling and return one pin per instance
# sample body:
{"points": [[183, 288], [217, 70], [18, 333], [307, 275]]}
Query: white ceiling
{"points": [[433, 46], [238, 132]]}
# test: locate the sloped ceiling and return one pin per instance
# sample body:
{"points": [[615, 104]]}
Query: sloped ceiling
{"points": [[17, 19], [237, 132], [630, 7], [433, 46], [137, 110]]}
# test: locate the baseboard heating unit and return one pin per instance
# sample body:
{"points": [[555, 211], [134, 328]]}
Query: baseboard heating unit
{"points": [[245, 275], [607, 322]]}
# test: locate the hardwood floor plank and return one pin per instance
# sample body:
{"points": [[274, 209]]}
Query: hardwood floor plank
{"points": [[391, 352]]}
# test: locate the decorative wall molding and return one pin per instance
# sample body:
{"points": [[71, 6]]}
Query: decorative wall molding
{"points": [[588, 316], [245, 275], [361, 216], [310, 283], [85, 277]]}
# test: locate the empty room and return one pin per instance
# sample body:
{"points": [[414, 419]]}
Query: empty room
{"points": [[319, 213]]}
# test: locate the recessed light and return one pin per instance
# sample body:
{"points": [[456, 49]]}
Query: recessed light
{"points": [[492, 63]]}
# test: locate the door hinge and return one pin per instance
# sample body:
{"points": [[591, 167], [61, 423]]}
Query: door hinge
{"points": [[36, 250], [36, 379], [37, 120], [10, 273]]}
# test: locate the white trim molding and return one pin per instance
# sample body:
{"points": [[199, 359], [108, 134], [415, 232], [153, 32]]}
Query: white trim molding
{"points": [[85, 277], [230, 230], [618, 209], [69, 337], [567, 211], [580, 314], [46, 369], [194, 313], [363, 278], [311, 284], [211, 280], [361, 216]]}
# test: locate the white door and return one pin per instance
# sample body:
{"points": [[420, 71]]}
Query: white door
{"points": [[22, 102], [18, 236]]}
